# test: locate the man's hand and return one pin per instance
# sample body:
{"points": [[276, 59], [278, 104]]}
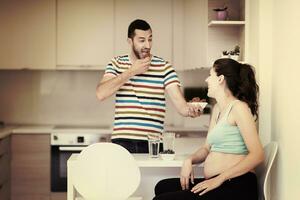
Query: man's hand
{"points": [[195, 110], [140, 66]]}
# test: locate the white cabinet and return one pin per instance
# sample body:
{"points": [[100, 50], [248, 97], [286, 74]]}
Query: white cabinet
{"points": [[190, 33], [85, 33], [157, 13], [27, 34], [225, 35], [200, 39]]}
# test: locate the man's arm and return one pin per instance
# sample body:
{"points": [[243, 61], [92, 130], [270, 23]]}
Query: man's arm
{"points": [[184, 108], [111, 83]]}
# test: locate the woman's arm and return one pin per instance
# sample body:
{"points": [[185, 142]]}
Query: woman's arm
{"points": [[199, 156]]}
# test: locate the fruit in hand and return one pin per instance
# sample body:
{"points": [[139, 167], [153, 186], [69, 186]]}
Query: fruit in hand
{"points": [[168, 151]]}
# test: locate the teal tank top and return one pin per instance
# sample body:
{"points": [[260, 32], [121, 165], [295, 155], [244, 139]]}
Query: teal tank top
{"points": [[226, 138]]}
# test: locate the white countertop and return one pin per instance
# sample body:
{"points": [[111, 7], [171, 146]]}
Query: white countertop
{"points": [[48, 129], [143, 160], [6, 131], [33, 129]]}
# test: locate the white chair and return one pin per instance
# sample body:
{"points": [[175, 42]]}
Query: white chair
{"points": [[105, 171], [263, 171]]}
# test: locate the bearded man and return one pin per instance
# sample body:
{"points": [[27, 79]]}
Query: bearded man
{"points": [[140, 80]]}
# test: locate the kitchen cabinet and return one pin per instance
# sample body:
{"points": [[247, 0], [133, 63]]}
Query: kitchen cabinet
{"points": [[30, 167], [58, 196], [85, 34], [157, 13], [5, 168], [225, 35], [190, 33], [27, 34], [199, 39]]}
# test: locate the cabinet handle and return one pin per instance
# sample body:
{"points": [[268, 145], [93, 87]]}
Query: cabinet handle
{"points": [[1, 186]]}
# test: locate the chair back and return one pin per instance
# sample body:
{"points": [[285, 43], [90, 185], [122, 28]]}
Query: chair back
{"points": [[106, 171], [263, 170]]}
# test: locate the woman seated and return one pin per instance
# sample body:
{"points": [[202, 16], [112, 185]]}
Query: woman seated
{"points": [[232, 149]]}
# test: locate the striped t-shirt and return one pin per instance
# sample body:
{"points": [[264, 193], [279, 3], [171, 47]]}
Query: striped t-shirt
{"points": [[140, 103]]}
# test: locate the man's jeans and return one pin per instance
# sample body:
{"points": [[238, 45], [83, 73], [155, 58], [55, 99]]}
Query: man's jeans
{"points": [[135, 146]]}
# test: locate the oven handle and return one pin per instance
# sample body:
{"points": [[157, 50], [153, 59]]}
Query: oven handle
{"points": [[71, 148]]}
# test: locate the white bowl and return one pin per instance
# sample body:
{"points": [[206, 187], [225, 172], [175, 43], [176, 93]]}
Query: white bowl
{"points": [[200, 104], [168, 156]]}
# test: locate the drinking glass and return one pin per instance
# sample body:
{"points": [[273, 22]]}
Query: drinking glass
{"points": [[154, 147]]}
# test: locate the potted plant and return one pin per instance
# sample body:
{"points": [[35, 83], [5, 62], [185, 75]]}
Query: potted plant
{"points": [[225, 54], [234, 54], [221, 13]]}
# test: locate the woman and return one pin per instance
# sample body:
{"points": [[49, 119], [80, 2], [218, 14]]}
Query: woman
{"points": [[232, 149]]}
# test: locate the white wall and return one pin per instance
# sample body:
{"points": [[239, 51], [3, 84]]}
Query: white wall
{"points": [[277, 33], [285, 98]]}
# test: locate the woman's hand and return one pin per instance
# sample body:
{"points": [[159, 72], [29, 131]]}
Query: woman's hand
{"points": [[208, 185], [186, 173]]}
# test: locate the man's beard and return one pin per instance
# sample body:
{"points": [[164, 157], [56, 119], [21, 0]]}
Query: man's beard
{"points": [[138, 53]]}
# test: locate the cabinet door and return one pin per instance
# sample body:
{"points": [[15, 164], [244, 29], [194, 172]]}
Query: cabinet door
{"points": [[27, 34], [4, 191], [190, 33], [157, 13], [84, 33], [30, 166]]}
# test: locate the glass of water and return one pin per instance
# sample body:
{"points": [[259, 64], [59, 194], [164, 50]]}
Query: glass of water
{"points": [[154, 147]]}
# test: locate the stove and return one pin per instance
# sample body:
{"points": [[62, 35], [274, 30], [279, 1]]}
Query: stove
{"points": [[66, 140]]}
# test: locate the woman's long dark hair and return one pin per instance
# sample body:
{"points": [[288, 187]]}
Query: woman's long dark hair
{"points": [[240, 79]]}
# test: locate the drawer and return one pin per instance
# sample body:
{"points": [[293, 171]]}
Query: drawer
{"points": [[5, 191], [4, 168], [4, 145]]}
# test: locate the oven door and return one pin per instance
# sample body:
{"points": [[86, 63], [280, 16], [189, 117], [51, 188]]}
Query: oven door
{"points": [[59, 157]]}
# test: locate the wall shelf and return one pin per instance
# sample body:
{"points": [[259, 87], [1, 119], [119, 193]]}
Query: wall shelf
{"points": [[226, 23]]}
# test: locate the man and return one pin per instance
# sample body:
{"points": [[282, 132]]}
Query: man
{"points": [[140, 81]]}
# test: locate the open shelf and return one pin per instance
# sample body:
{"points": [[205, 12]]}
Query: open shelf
{"points": [[226, 23]]}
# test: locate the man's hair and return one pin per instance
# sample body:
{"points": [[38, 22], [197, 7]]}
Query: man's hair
{"points": [[137, 24]]}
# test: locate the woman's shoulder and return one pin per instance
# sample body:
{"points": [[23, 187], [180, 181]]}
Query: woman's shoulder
{"points": [[241, 108]]}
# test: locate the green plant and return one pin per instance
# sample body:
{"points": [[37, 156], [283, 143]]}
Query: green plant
{"points": [[225, 53], [236, 50]]}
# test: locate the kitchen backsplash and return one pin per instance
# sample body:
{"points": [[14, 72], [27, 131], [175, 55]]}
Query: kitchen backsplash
{"points": [[68, 97]]}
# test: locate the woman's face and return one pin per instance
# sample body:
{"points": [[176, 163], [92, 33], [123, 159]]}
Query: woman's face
{"points": [[213, 82]]}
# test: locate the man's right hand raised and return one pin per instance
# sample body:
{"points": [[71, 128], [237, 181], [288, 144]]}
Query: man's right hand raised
{"points": [[140, 66]]}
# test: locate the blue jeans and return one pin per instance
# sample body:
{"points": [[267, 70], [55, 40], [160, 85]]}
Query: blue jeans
{"points": [[135, 146]]}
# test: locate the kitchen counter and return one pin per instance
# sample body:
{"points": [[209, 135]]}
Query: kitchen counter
{"points": [[143, 160], [183, 132], [33, 129], [6, 131]]}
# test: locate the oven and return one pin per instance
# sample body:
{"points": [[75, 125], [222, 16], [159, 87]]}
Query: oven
{"points": [[63, 145]]}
